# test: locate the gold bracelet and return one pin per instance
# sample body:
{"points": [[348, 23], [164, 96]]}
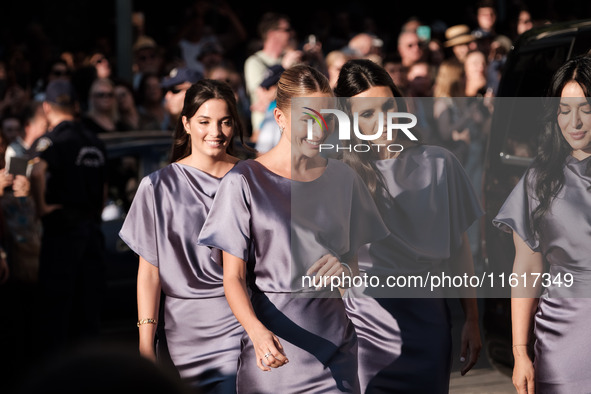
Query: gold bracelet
{"points": [[520, 345], [146, 321]]}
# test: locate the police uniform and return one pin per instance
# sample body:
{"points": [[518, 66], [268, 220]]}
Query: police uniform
{"points": [[72, 247]]}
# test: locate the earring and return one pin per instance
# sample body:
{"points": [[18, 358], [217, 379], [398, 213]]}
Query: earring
{"points": [[282, 129]]}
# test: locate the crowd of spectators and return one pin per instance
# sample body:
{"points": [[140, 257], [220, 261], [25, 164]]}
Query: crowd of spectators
{"points": [[411, 54]]}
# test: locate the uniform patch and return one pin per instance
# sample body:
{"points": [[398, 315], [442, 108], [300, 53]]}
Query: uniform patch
{"points": [[43, 144]]}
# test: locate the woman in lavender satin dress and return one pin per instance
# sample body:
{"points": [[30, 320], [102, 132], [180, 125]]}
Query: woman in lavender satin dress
{"points": [[549, 214], [278, 218], [428, 203], [162, 226]]}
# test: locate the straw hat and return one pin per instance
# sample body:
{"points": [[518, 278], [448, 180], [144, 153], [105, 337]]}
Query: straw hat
{"points": [[143, 42], [457, 35]]}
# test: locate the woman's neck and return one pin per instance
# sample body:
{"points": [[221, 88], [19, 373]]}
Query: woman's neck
{"points": [[214, 166]]}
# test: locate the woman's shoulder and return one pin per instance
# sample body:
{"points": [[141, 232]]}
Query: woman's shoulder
{"points": [[430, 155], [437, 152], [243, 167], [156, 178], [339, 165], [244, 171]]}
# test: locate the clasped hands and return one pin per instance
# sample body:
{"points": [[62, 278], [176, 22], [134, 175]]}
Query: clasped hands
{"points": [[20, 184], [327, 266]]}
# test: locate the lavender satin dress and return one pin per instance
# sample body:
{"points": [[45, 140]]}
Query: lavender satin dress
{"points": [[286, 226], [563, 317], [162, 226], [405, 343]]}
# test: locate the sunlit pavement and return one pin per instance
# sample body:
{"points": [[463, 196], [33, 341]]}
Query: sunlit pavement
{"points": [[483, 378], [481, 381]]}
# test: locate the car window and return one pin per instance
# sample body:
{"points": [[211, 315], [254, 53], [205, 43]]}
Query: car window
{"points": [[582, 43], [125, 172], [521, 102], [534, 67]]}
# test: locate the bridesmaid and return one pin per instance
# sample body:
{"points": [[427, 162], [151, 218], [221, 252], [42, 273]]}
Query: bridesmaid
{"points": [[165, 217], [277, 218], [427, 202], [549, 214]]}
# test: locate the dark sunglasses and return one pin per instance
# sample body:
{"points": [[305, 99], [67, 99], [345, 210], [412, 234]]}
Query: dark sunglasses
{"points": [[104, 95], [176, 90], [60, 73], [143, 58]]}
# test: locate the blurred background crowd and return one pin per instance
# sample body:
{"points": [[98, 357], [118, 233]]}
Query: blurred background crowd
{"points": [[433, 52]]}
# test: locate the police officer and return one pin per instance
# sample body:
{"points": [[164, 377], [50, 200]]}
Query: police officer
{"points": [[69, 184]]}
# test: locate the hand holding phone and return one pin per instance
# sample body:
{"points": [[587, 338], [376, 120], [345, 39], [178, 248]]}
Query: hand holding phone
{"points": [[18, 165]]}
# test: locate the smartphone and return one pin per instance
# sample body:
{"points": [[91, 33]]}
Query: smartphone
{"points": [[18, 165], [424, 33], [312, 39]]}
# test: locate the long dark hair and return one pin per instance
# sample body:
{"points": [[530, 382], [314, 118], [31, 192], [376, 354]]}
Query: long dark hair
{"points": [[357, 76], [547, 168], [197, 95]]}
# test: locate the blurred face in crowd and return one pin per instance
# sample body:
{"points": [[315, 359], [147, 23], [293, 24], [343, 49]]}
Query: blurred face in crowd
{"points": [[460, 51], [486, 17], [175, 97], [38, 125], [228, 76], [124, 98], [11, 129], [211, 129], [281, 34], [574, 119], [397, 73], [102, 97], [147, 60], [435, 52], [334, 67], [101, 64], [475, 65], [59, 71], [152, 90], [409, 48], [419, 80], [524, 22], [362, 44]]}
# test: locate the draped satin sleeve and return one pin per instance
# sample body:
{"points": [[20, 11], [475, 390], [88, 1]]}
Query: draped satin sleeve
{"points": [[464, 206], [228, 225], [428, 204], [139, 229], [515, 214]]}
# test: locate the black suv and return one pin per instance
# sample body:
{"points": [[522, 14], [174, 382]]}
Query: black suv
{"points": [[512, 144]]}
